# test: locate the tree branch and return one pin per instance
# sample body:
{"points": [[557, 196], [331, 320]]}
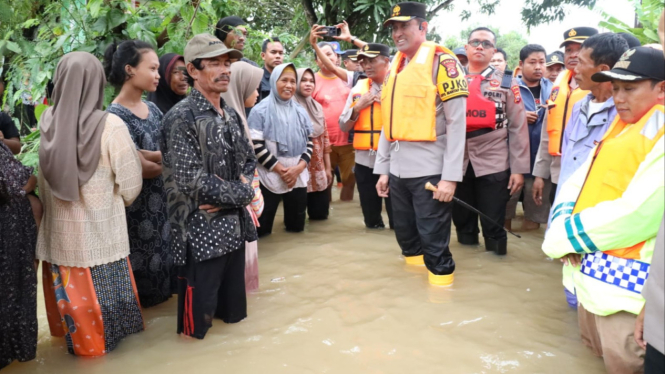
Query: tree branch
{"points": [[436, 9], [189, 27], [310, 14]]}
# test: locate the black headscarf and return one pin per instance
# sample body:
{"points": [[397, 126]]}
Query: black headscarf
{"points": [[164, 97]]}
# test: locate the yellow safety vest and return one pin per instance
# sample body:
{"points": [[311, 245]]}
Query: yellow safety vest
{"points": [[408, 97], [557, 118], [614, 165], [368, 126]]}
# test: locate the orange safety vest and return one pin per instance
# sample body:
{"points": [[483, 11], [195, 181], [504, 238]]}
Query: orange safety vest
{"points": [[408, 97], [368, 126], [615, 163], [557, 118]]}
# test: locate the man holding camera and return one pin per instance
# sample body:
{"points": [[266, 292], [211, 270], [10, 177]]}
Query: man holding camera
{"points": [[422, 141], [333, 85]]}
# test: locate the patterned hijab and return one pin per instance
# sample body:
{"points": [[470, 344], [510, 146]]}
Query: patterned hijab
{"points": [[283, 121], [71, 130], [312, 107]]}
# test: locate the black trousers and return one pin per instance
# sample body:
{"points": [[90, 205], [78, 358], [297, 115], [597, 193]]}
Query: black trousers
{"points": [[318, 205], [422, 224], [370, 201], [295, 205], [553, 194], [489, 194], [654, 361], [210, 288]]}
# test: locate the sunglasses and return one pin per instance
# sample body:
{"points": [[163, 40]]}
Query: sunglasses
{"points": [[485, 43]]}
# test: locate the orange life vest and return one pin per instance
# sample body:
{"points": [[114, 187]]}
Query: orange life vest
{"points": [[368, 127], [557, 118], [615, 163], [408, 98], [480, 112]]}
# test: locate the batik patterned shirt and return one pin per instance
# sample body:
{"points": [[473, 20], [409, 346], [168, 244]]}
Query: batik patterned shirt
{"points": [[204, 155]]}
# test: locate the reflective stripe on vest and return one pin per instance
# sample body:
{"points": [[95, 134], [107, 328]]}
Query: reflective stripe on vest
{"points": [[408, 98], [627, 274], [558, 116], [481, 113], [615, 162], [368, 125]]}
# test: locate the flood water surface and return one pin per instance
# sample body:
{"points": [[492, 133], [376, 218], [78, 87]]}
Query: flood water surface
{"points": [[339, 299]]}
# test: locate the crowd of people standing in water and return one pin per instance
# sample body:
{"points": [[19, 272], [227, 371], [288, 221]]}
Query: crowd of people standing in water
{"points": [[170, 195]]}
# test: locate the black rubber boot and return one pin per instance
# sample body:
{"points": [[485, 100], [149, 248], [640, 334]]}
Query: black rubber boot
{"points": [[467, 239], [500, 247]]}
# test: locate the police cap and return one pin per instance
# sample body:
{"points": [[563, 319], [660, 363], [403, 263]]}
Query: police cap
{"points": [[554, 58], [373, 50], [577, 35], [350, 54], [460, 51], [635, 64], [406, 11]]}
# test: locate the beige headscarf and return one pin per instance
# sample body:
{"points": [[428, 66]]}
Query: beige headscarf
{"points": [[71, 130], [312, 107], [245, 79]]}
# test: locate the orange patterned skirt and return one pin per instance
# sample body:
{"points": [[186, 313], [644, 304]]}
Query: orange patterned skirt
{"points": [[93, 308]]}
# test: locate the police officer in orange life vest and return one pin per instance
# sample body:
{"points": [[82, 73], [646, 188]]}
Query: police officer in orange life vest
{"points": [[362, 114], [497, 145], [423, 106], [565, 94]]}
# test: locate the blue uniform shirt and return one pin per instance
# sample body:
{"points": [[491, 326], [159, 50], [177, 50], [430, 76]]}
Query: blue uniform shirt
{"points": [[582, 133]]}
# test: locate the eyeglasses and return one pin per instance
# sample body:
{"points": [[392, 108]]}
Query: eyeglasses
{"points": [[485, 43]]}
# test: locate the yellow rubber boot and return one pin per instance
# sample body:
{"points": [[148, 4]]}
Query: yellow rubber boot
{"points": [[441, 280], [415, 260]]}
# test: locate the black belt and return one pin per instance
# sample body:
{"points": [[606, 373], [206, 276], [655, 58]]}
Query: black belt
{"points": [[473, 134]]}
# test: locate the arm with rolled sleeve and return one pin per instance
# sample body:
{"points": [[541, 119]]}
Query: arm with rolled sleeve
{"points": [[518, 132], [541, 168], [453, 91], [382, 164], [346, 123], [124, 160], [453, 152], [619, 223]]}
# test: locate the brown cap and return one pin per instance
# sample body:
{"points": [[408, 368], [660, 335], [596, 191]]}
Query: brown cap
{"points": [[207, 46]]}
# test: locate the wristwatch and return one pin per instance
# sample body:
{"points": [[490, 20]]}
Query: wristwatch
{"points": [[353, 39]]}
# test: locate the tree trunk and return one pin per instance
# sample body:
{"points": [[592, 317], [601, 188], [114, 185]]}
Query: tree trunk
{"points": [[310, 14]]}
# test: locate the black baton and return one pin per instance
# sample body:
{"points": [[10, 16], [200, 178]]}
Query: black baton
{"points": [[469, 207], [430, 187]]}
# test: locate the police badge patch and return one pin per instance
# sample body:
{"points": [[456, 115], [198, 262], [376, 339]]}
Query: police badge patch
{"points": [[554, 94], [451, 66], [516, 93]]}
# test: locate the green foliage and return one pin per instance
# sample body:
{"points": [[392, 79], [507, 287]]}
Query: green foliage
{"points": [[35, 34], [648, 14]]}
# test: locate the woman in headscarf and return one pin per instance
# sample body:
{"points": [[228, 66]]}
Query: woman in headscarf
{"points": [[241, 96], [133, 67], [320, 172], [281, 132], [243, 89], [18, 277], [89, 171], [172, 82]]}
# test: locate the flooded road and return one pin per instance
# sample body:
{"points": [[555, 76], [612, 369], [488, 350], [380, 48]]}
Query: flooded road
{"points": [[339, 299]]}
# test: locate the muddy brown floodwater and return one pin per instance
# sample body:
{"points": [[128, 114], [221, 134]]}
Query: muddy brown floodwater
{"points": [[339, 299]]}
